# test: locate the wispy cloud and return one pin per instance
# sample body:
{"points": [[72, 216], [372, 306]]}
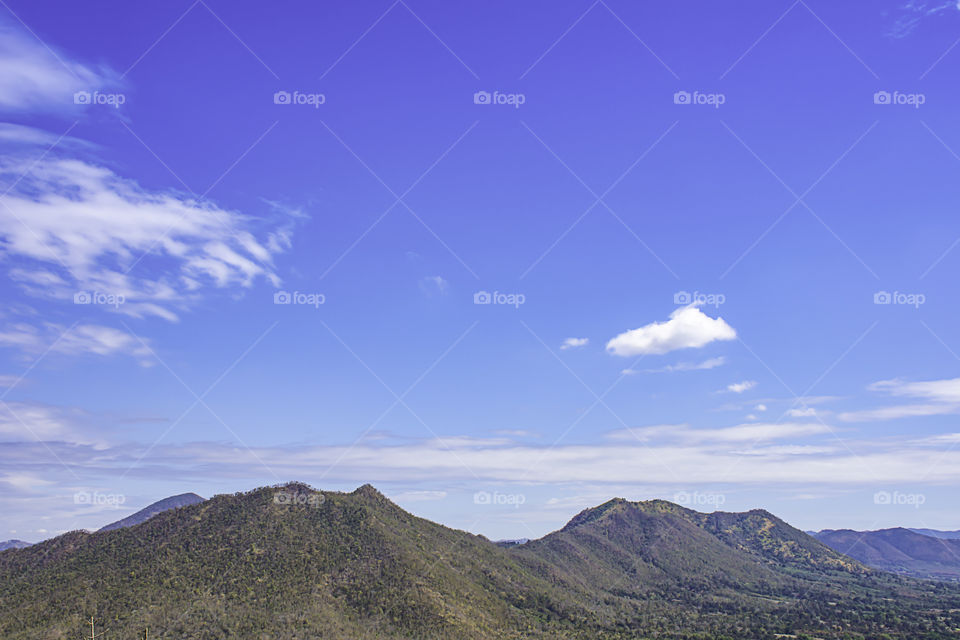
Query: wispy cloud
{"points": [[78, 340], [69, 224], [710, 363], [432, 285], [750, 453], [76, 226], [941, 396], [34, 77], [913, 12]]}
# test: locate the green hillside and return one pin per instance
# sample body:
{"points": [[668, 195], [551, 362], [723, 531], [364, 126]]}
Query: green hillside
{"points": [[292, 562]]}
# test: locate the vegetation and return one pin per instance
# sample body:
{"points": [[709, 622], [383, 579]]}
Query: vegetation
{"points": [[291, 562]]}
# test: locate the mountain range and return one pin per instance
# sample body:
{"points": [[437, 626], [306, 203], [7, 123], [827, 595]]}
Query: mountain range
{"points": [[293, 562], [13, 544], [947, 535], [899, 550]]}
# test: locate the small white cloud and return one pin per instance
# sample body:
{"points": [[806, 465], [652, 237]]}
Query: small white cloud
{"points": [[688, 327], [572, 343], [740, 387], [806, 412], [434, 284], [760, 407], [517, 433]]}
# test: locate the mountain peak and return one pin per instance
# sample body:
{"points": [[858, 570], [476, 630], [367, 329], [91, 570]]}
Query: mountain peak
{"points": [[173, 502], [368, 491], [621, 505]]}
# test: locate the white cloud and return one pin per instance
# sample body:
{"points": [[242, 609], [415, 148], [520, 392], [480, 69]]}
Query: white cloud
{"points": [[72, 225], [24, 421], [740, 387], [8, 380], [898, 411], [35, 77], [688, 327], [644, 434], [937, 390], [31, 137], [942, 397], [76, 227], [81, 339], [710, 363], [910, 14], [806, 412], [571, 343], [787, 450], [723, 455], [760, 407], [737, 433], [434, 284], [939, 439]]}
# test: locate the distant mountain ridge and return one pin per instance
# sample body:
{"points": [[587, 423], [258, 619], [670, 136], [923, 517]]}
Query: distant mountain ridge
{"points": [[13, 544], [173, 502], [899, 550], [936, 533], [294, 562]]}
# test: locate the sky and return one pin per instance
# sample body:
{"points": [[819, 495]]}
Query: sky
{"points": [[503, 261]]}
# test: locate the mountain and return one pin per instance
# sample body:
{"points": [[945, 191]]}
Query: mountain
{"points": [[13, 544], [293, 562], [899, 551], [934, 533], [511, 543], [173, 502]]}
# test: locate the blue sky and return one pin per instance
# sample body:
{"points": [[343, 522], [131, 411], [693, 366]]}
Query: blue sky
{"points": [[716, 245]]}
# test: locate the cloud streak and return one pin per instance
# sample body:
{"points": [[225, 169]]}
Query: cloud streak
{"points": [[941, 397]]}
